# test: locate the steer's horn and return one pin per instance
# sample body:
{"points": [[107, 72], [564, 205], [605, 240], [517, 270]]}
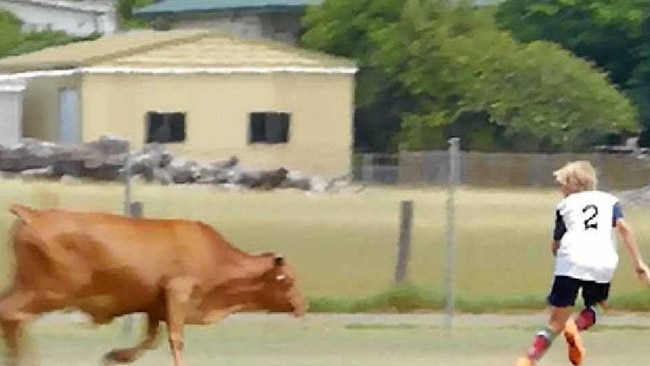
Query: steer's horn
{"points": [[278, 260]]}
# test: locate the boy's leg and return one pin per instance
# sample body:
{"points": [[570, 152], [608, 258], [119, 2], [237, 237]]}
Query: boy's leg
{"points": [[586, 319], [561, 299], [576, 348], [593, 295]]}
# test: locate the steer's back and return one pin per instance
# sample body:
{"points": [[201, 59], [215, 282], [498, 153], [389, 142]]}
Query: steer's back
{"points": [[106, 265]]}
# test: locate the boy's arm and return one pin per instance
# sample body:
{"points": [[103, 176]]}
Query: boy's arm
{"points": [[626, 232], [558, 232], [555, 245]]}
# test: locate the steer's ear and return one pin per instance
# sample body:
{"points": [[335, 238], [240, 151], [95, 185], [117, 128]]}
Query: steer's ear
{"points": [[278, 260]]}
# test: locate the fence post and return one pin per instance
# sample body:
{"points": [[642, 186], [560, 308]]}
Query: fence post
{"points": [[367, 168], [127, 181], [404, 244], [135, 210], [128, 209], [454, 180]]}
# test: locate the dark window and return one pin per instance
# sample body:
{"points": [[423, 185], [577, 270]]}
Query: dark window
{"points": [[165, 127], [269, 127], [257, 127]]}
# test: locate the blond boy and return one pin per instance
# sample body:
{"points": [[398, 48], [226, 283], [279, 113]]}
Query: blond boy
{"points": [[585, 253]]}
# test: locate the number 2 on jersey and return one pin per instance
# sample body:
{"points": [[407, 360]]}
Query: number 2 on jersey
{"points": [[591, 222]]}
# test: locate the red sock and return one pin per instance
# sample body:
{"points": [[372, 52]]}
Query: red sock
{"points": [[541, 343], [586, 319]]}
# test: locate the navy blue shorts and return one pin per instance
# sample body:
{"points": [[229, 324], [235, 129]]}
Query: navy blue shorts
{"points": [[565, 292]]}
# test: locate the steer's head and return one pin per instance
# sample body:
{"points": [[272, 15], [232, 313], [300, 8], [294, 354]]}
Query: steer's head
{"points": [[279, 291]]}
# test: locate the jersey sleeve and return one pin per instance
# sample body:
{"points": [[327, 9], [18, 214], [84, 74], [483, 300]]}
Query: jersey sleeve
{"points": [[560, 227], [617, 213]]}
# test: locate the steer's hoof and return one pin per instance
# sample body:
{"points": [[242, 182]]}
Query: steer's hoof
{"points": [[118, 356]]}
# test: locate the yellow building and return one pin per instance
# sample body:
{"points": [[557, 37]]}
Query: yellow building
{"points": [[204, 94]]}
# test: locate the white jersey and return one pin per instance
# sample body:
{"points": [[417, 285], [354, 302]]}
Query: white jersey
{"points": [[585, 222]]}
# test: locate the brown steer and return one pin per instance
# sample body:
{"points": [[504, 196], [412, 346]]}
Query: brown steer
{"points": [[175, 271]]}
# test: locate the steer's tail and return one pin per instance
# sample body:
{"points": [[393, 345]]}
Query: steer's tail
{"points": [[23, 212]]}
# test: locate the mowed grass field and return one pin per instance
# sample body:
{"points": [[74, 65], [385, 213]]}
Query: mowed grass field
{"points": [[344, 245], [327, 341]]}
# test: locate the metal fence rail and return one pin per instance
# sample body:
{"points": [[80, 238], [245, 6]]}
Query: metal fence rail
{"points": [[617, 171]]}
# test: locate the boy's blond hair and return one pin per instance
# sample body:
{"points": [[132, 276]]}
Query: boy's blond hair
{"points": [[577, 176]]}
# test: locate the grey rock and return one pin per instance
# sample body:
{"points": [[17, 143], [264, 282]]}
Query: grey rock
{"points": [[39, 173], [182, 170], [109, 145]]}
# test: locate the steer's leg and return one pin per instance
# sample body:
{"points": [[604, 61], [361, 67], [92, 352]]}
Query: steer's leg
{"points": [[178, 293], [14, 311], [127, 355]]}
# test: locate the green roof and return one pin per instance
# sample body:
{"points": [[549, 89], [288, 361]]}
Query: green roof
{"points": [[182, 6]]}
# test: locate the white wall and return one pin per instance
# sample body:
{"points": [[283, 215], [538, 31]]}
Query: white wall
{"points": [[11, 113], [39, 17]]}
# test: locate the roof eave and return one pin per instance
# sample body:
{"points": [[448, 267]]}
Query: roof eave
{"points": [[13, 69], [152, 14], [156, 70]]}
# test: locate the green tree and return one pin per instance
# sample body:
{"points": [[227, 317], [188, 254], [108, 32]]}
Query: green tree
{"points": [[427, 65], [125, 10], [14, 42], [346, 28], [538, 90], [9, 32], [34, 41], [613, 34]]}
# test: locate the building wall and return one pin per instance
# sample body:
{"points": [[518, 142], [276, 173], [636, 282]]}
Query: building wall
{"points": [[11, 105], [78, 23], [283, 27], [41, 106], [218, 108]]}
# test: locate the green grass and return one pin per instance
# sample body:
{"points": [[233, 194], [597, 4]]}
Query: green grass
{"points": [[401, 299], [344, 246], [323, 341], [413, 298]]}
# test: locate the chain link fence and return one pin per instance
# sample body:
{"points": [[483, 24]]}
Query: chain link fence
{"points": [[505, 170]]}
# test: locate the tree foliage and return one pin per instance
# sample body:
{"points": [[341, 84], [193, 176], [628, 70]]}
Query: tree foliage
{"points": [[615, 34], [605, 31], [125, 10], [14, 42], [426, 64], [9, 32], [347, 28]]}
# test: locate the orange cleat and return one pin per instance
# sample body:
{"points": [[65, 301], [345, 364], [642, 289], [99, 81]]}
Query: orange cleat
{"points": [[524, 361], [576, 349]]}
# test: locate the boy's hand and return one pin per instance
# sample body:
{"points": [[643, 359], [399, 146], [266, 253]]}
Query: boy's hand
{"points": [[643, 272]]}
